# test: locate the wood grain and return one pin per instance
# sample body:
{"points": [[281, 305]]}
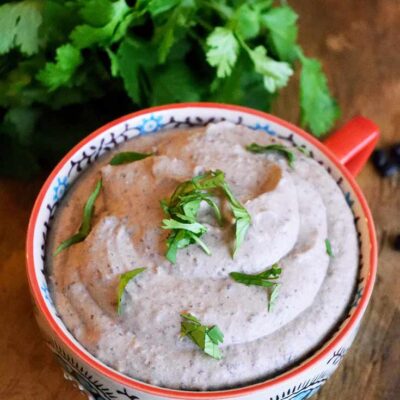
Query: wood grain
{"points": [[358, 43]]}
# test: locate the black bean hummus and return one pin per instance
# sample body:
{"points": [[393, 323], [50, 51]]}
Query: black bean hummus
{"points": [[293, 210]]}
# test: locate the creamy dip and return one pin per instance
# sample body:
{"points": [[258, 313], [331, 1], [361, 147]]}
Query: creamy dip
{"points": [[293, 210]]}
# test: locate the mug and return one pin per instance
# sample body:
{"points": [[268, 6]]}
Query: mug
{"points": [[343, 155]]}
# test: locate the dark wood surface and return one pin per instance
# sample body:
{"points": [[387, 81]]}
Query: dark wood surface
{"points": [[358, 42]]}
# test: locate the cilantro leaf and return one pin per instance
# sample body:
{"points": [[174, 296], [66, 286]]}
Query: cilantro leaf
{"points": [[132, 56], [177, 22], [275, 73], [247, 21], [20, 23], [223, 50], [273, 297], [242, 217], [156, 7], [118, 16], [59, 73], [265, 279], [126, 157], [174, 82], [328, 248], [86, 221], [205, 337], [124, 279], [97, 12], [183, 206], [282, 31], [276, 148], [319, 109]]}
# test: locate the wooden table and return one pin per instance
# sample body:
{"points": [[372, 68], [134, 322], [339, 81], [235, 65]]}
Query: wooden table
{"points": [[358, 42]]}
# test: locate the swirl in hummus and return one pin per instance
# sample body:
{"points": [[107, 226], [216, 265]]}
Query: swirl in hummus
{"points": [[293, 212]]}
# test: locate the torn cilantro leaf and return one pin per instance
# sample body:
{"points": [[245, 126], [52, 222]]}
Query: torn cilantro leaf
{"points": [[223, 50], [328, 248], [20, 23], [86, 221], [124, 279], [206, 337], [266, 279], [319, 109], [126, 157], [274, 148], [273, 297]]}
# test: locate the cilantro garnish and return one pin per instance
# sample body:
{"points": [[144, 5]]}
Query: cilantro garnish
{"points": [[124, 279], [328, 248], [205, 337], [126, 157], [274, 148], [183, 206], [86, 221], [265, 279]]}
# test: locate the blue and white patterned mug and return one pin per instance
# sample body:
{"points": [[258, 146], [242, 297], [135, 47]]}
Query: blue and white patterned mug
{"points": [[342, 155]]}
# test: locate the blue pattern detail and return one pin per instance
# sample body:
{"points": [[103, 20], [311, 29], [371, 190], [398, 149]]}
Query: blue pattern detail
{"points": [[60, 188], [80, 375], [303, 391], [266, 128], [305, 394], [357, 297], [151, 124], [45, 291], [349, 200]]}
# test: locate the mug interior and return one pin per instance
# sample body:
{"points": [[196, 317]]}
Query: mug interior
{"points": [[155, 121]]}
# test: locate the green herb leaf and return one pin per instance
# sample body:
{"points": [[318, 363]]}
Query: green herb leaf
{"points": [[124, 279], [275, 73], [110, 25], [134, 55], [282, 31], [223, 50], [328, 248], [265, 279], [59, 73], [247, 21], [275, 148], [273, 297], [319, 109], [242, 217], [207, 338], [126, 157], [20, 23], [179, 20], [86, 222], [174, 82]]}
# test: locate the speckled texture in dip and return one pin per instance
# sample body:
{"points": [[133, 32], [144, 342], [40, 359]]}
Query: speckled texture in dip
{"points": [[293, 211]]}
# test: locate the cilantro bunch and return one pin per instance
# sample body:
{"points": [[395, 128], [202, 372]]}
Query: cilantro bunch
{"points": [[68, 66]]}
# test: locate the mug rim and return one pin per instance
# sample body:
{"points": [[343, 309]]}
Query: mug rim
{"points": [[133, 383]]}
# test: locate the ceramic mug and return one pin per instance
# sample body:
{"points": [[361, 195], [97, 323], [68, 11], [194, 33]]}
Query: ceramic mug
{"points": [[343, 154]]}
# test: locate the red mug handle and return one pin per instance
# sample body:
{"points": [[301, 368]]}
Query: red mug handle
{"points": [[353, 143]]}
